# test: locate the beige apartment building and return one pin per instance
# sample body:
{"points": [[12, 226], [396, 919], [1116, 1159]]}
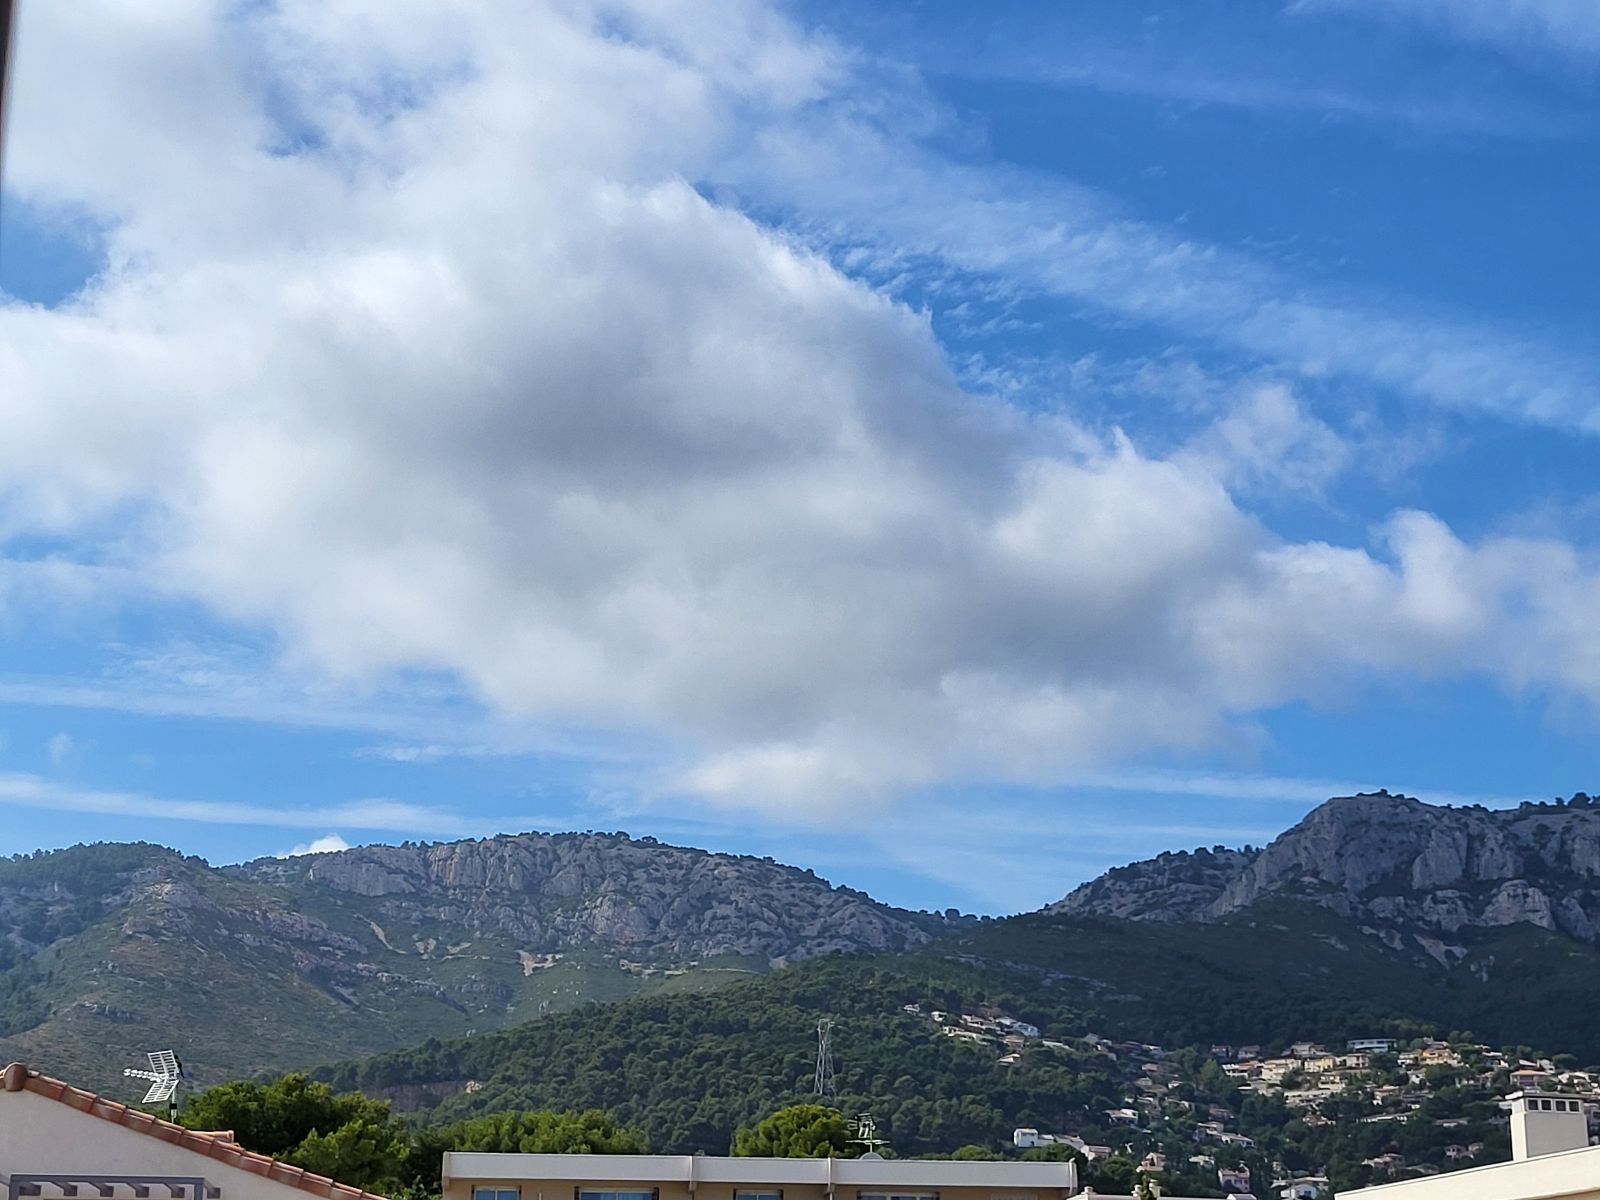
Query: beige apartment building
{"points": [[470, 1176], [476, 1176]]}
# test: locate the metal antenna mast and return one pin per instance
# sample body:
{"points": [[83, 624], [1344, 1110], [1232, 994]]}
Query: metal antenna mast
{"points": [[826, 1084], [8, 42], [165, 1075], [867, 1133]]}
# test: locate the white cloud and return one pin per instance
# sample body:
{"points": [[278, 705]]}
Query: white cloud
{"points": [[479, 385], [1270, 441], [327, 844], [58, 747]]}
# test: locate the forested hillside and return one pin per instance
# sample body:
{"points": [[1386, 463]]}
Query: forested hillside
{"points": [[688, 1071], [1286, 969]]}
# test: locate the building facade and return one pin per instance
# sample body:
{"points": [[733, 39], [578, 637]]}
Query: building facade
{"points": [[476, 1176], [61, 1141]]}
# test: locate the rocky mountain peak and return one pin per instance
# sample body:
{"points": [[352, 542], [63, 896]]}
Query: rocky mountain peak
{"points": [[1179, 885], [1390, 859]]}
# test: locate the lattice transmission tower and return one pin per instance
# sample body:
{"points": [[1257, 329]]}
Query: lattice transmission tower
{"points": [[826, 1084]]}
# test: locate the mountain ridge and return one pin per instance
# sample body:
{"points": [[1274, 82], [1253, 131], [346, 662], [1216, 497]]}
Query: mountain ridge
{"points": [[111, 949], [1389, 859], [640, 894]]}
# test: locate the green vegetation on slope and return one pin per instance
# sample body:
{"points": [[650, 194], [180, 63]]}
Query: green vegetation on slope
{"points": [[688, 1070], [1283, 971]]}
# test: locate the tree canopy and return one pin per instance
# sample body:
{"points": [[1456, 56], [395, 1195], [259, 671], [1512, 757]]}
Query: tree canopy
{"points": [[347, 1136], [356, 1140], [798, 1131]]}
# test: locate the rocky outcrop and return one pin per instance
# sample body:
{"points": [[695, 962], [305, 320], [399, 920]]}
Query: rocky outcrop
{"points": [[1387, 859], [554, 892], [1177, 886]]}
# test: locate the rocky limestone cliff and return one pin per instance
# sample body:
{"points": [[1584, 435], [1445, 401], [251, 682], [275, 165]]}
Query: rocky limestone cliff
{"points": [[1387, 859], [554, 892]]}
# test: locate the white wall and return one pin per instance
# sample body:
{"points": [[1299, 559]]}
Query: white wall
{"points": [[1535, 1132]]}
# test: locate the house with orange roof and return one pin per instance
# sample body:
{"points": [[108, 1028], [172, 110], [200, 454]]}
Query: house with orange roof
{"points": [[60, 1141]]}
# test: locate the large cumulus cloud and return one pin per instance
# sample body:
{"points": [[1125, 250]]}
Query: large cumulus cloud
{"points": [[418, 346]]}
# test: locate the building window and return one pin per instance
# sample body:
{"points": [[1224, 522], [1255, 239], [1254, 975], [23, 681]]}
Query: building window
{"points": [[587, 1194], [897, 1196], [489, 1193], [768, 1195]]}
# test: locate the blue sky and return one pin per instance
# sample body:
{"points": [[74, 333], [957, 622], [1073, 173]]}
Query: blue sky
{"points": [[958, 448]]}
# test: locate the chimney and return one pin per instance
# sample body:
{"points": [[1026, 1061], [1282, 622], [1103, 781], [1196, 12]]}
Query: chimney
{"points": [[1546, 1123]]}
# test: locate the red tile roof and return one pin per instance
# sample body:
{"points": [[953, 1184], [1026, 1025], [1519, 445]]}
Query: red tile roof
{"points": [[18, 1078]]}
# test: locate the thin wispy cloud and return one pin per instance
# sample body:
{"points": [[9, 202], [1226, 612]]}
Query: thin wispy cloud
{"points": [[253, 690], [1065, 240], [20, 790], [1254, 90], [1285, 789], [1539, 29]]}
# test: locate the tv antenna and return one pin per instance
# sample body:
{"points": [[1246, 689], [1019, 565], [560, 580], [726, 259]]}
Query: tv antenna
{"points": [[165, 1074], [866, 1130], [826, 1084]]}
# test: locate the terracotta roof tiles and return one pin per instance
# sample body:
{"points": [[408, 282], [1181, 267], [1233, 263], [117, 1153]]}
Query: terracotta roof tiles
{"points": [[19, 1078]]}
